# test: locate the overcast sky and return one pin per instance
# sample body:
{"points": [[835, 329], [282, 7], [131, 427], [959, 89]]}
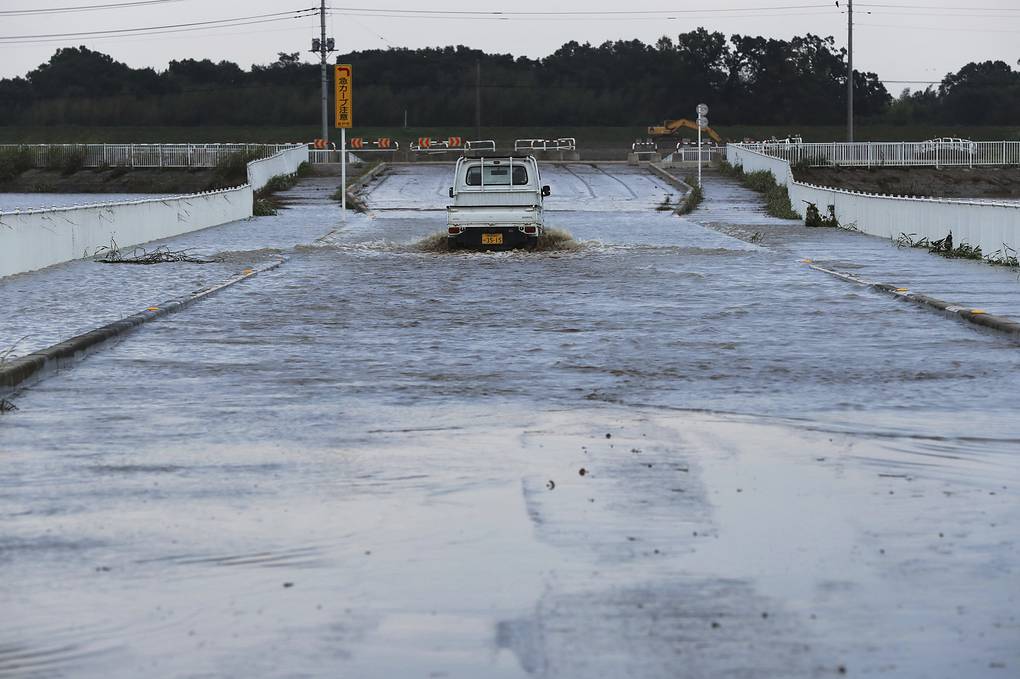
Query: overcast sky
{"points": [[901, 40]]}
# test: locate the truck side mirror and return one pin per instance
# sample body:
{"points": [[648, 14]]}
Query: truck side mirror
{"points": [[451, 192], [546, 190]]}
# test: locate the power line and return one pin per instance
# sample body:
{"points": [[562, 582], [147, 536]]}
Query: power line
{"points": [[954, 29], [928, 8], [572, 13], [275, 16], [128, 36], [947, 15], [84, 8], [168, 35], [686, 17]]}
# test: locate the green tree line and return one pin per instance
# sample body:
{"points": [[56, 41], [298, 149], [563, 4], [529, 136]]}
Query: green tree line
{"points": [[745, 79]]}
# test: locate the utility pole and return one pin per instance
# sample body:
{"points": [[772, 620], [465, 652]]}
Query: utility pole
{"points": [[850, 71], [325, 75], [323, 46], [478, 98]]}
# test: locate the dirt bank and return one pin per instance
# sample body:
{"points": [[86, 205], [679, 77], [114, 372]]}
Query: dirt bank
{"points": [[118, 180], [957, 182]]}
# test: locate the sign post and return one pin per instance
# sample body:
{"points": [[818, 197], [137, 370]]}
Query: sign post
{"points": [[343, 83], [702, 124]]}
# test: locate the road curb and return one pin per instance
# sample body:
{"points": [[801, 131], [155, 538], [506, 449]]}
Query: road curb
{"points": [[17, 372], [354, 196], [670, 178], [969, 314]]}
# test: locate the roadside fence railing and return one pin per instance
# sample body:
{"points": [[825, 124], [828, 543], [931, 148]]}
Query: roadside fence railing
{"points": [[689, 154], [934, 153], [561, 144], [141, 155]]}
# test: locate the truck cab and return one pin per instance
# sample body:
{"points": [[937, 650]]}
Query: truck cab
{"points": [[497, 203]]}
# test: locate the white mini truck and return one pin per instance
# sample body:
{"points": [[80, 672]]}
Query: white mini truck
{"points": [[497, 203]]}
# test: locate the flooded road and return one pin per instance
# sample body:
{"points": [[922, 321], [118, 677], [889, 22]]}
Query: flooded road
{"points": [[666, 448]]}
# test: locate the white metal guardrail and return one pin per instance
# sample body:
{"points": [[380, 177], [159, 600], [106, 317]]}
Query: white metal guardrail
{"points": [[141, 155], [932, 153], [562, 144], [332, 156], [689, 154]]}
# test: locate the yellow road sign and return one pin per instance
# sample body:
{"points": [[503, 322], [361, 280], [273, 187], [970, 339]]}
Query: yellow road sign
{"points": [[344, 78]]}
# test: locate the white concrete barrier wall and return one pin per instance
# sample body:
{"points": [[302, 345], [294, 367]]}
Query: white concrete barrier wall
{"points": [[284, 162], [756, 162], [35, 239], [988, 225]]}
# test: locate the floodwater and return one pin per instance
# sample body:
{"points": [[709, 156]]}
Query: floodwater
{"points": [[666, 448]]}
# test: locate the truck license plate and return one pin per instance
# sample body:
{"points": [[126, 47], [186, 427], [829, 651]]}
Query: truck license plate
{"points": [[492, 239]]}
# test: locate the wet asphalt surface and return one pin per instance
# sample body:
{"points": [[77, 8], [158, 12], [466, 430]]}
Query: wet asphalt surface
{"points": [[663, 448]]}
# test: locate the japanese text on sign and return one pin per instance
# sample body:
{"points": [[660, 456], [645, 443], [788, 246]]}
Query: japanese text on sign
{"points": [[344, 106]]}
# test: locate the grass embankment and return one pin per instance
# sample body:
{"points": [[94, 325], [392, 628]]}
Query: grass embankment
{"points": [[777, 198], [693, 198], [586, 136], [267, 203]]}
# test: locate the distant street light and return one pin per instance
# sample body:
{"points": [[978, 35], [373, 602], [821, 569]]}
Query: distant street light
{"points": [[702, 124]]}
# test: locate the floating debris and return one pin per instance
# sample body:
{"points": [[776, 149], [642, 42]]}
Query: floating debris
{"points": [[161, 255]]}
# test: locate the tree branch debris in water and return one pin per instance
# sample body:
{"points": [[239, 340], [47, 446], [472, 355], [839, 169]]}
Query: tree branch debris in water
{"points": [[138, 255]]}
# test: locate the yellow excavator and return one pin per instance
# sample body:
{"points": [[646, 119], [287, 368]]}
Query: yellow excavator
{"points": [[671, 128]]}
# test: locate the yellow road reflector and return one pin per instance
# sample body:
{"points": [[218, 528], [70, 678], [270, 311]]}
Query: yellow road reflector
{"points": [[248, 271], [902, 289], [153, 308], [978, 312], [807, 261]]}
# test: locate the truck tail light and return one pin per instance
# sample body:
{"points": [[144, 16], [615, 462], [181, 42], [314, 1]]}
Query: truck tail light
{"points": [[531, 229], [454, 230]]}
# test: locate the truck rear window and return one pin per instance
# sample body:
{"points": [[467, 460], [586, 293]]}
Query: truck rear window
{"points": [[496, 175]]}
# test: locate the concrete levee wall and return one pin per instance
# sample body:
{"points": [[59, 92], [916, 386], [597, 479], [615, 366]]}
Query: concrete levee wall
{"points": [[990, 225], [756, 162], [34, 239], [284, 162]]}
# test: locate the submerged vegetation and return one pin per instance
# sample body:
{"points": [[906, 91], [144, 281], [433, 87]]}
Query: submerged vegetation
{"points": [[693, 198], [777, 198], [552, 240], [945, 247], [266, 203], [813, 217]]}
